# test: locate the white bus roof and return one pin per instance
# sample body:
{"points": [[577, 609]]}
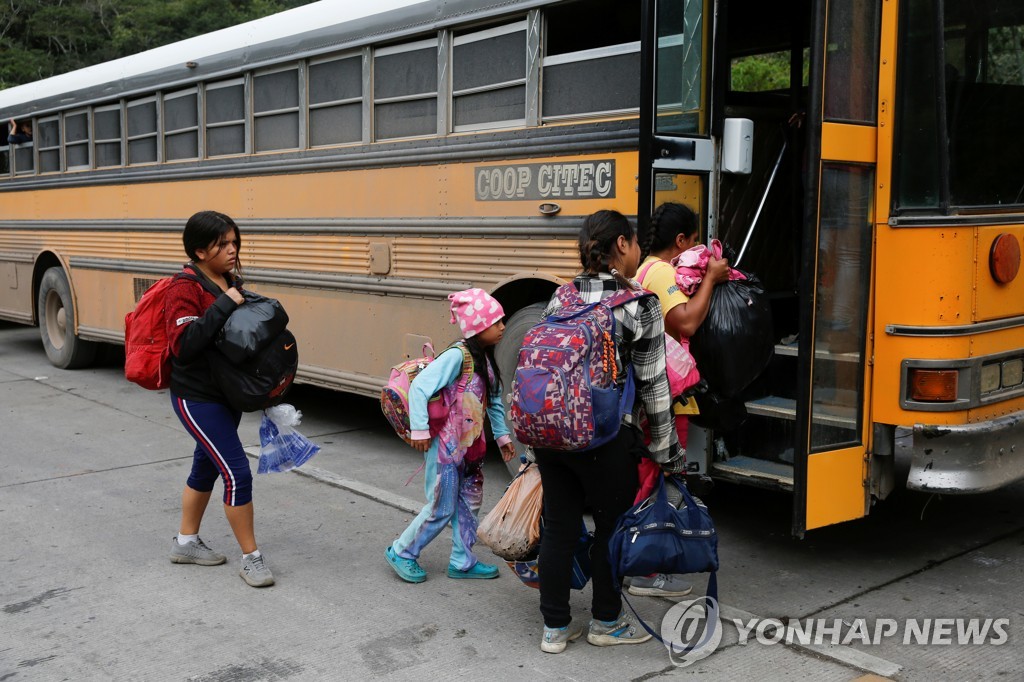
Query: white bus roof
{"points": [[324, 25]]}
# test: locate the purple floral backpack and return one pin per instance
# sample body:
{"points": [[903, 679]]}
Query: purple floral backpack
{"points": [[565, 394]]}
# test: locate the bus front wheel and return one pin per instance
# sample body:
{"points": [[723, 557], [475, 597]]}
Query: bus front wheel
{"points": [[506, 354], [57, 323]]}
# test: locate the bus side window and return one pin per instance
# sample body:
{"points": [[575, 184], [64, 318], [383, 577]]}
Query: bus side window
{"points": [[275, 110], [5, 162], [489, 78], [336, 101], [405, 90], [592, 59], [225, 118]]}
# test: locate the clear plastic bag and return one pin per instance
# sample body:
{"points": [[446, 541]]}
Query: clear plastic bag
{"points": [[282, 447], [512, 528]]}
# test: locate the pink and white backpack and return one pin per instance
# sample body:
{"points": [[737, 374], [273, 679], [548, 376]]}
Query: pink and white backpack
{"points": [[565, 394]]}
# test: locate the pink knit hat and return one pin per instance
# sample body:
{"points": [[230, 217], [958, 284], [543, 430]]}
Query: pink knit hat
{"points": [[474, 310]]}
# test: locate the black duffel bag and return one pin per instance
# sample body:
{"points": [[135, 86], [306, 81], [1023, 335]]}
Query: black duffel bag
{"points": [[260, 381], [736, 340], [251, 327]]}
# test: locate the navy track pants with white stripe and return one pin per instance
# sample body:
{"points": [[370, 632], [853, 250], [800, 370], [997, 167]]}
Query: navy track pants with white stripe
{"points": [[218, 450]]}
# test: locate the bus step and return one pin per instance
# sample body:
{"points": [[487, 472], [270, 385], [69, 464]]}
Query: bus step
{"points": [[785, 408], [758, 471], [791, 350]]}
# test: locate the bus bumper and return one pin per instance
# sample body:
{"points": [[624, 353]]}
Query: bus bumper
{"points": [[969, 458]]}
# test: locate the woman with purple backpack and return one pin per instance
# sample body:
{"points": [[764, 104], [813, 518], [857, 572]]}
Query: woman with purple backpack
{"points": [[605, 477]]}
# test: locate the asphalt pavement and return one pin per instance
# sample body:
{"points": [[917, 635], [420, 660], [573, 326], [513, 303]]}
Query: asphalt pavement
{"points": [[91, 471]]}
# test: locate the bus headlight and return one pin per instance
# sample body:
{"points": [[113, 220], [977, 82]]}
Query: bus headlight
{"points": [[1013, 373], [990, 377]]}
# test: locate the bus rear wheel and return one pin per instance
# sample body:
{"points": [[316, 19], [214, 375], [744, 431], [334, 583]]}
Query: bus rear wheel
{"points": [[506, 354], [57, 323]]}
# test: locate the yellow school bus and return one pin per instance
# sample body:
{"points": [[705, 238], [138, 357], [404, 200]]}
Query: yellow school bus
{"points": [[860, 156]]}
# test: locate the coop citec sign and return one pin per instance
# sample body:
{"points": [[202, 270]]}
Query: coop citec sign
{"points": [[577, 180]]}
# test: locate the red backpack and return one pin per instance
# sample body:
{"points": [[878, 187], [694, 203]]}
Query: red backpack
{"points": [[147, 357]]}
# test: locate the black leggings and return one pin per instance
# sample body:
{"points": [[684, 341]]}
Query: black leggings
{"points": [[606, 477]]}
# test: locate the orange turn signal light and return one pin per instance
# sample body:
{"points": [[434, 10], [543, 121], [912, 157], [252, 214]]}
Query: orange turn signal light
{"points": [[933, 385], [1004, 258]]}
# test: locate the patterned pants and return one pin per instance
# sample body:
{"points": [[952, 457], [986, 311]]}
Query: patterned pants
{"points": [[454, 493]]}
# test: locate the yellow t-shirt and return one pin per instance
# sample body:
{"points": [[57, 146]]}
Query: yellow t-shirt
{"points": [[660, 279]]}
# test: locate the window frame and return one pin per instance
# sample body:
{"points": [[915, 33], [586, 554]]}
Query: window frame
{"points": [[158, 101], [59, 147], [94, 140], [245, 80], [364, 55], [590, 54], [520, 25], [85, 142], [299, 111], [198, 128], [399, 48]]}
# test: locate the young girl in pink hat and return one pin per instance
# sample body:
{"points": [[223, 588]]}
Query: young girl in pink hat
{"points": [[454, 451]]}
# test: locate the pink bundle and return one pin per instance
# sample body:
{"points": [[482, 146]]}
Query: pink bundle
{"points": [[692, 264]]}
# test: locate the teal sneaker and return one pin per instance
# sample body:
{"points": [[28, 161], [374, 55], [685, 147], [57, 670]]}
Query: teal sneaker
{"points": [[408, 570], [479, 571], [554, 639]]}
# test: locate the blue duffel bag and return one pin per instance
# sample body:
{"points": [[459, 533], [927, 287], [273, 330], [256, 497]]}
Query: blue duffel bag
{"points": [[655, 537]]}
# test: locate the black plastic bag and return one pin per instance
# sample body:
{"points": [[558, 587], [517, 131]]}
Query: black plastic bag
{"points": [[736, 341], [251, 327], [260, 382], [718, 413]]}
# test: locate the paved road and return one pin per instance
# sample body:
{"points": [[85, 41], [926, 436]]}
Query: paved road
{"points": [[91, 468]]}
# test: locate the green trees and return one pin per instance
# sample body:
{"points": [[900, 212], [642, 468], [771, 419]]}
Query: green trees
{"points": [[42, 38]]}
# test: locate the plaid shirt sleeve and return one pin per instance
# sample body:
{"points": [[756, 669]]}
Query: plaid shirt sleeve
{"points": [[648, 358]]}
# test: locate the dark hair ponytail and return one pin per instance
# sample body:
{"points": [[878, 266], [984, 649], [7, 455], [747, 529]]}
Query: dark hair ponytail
{"points": [[481, 357], [206, 227], [598, 236], [667, 222]]}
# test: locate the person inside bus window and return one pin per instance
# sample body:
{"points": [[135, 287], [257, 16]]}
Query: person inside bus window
{"points": [[196, 306], [673, 229], [19, 133], [605, 476]]}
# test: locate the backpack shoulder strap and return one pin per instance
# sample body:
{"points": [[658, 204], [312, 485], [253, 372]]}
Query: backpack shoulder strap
{"points": [[467, 363], [644, 270], [623, 296], [568, 294]]}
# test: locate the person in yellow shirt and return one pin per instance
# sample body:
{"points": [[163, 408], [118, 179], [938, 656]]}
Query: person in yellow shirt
{"points": [[673, 229]]}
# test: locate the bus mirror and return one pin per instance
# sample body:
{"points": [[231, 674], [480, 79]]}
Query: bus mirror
{"points": [[738, 146]]}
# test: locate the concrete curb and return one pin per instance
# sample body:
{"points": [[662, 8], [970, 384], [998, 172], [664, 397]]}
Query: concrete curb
{"points": [[363, 489]]}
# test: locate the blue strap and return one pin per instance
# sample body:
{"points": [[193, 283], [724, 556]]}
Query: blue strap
{"points": [[712, 614]]}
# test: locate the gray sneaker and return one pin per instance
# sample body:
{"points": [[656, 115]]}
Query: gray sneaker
{"points": [[660, 585], [624, 630], [255, 572], [194, 552], [554, 639]]}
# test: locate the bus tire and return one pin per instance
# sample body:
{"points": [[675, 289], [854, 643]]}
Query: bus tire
{"points": [[56, 312], [506, 354]]}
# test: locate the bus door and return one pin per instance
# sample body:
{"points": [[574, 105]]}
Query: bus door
{"points": [[805, 429], [833, 431], [678, 149]]}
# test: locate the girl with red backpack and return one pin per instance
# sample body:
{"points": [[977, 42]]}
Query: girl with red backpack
{"points": [[454, 450], [196, 305], [605, 476]]}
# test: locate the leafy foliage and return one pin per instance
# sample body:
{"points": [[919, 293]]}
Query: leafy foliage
{"points": [[43, 38]]}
